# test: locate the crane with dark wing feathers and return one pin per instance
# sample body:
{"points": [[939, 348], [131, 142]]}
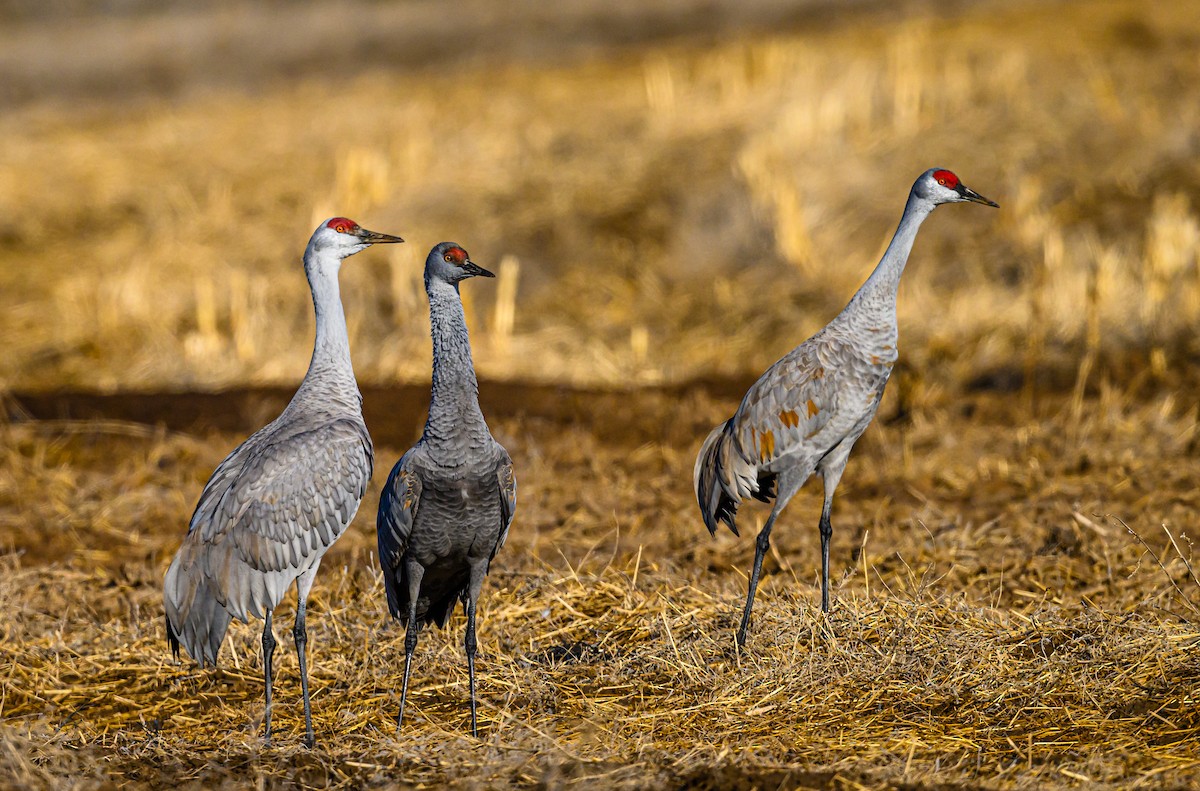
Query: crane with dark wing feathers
{"points": [[448, 503]]}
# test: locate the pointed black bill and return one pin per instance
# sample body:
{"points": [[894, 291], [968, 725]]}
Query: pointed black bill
{"points": [[474, 270], [374, 237], [974, 196]]}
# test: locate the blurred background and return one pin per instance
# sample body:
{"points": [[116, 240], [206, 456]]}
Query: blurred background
{"points": [[668, 190]]}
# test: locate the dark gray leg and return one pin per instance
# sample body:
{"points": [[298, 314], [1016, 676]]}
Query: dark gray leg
{"points": [[826, 533], [831, 474], [268, 644], [300, 635], [788, 483], [410, 645], [478, 572], [415, 573], [760, 551], [471, 645]]}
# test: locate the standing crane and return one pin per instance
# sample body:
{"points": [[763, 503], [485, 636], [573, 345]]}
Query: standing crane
{"points": [[280, 500], [448, 503], [805, 413]]}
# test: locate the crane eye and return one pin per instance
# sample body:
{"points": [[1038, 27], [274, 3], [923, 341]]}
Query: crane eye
{"points": [[942, 182], [447, 258]]}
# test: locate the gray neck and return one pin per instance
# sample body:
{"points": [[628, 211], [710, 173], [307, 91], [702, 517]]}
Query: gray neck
{"points": [[885, 280], [330, 369], [454, 405]]}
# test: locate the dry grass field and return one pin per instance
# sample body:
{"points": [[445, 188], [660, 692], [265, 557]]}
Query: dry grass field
{"points": [[1018, 604], [996, 624]]}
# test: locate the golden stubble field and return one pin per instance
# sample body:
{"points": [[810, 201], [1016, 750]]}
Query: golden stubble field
{"points": [[996, 624], [1017, 605]]}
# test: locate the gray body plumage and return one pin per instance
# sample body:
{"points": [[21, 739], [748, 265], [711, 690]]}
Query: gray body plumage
{"points": [[276, 504], [448, 503], [270, 511], [450, 518], [805, 413]]}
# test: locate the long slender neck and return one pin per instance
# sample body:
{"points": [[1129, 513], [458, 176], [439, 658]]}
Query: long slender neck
{"points": [[454, 405], [331, 349], [885, 280]]}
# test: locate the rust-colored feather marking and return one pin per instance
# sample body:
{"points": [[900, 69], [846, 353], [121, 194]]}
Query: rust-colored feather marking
{"points": [[768, 444], [818, 373], [812, 408], [789, 418]]}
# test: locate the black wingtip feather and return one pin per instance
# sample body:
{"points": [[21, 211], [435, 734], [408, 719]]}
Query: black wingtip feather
{"points": [[766, 488], [716, 506], [439, 612], [172, 639]]}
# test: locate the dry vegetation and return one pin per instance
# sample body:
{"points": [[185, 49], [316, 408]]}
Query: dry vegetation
{"points": [[679, 212], [666, 215], [995, 625]]}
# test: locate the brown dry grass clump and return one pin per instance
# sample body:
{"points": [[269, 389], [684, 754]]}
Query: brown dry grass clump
{"points": [[995, 626]]}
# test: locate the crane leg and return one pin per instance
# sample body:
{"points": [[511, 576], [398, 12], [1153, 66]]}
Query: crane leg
{"points": [[300, 635], [410, 645], [826, 532], [470, 643], [788, 483], [415, 572], [268, 644], [831, 474], [761, 545]]}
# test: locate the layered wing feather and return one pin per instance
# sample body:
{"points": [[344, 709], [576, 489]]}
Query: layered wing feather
{"points": [[789, 408], [273, 507], [794, 409], [507, 483], [398, 504]]}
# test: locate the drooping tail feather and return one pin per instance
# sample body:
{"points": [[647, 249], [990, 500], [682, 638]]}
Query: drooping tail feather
{"points": [[722, 479], [436, 603], [439, 611], [716, 503], [195, 619]]}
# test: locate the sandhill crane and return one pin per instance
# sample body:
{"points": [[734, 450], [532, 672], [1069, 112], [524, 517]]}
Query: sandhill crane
{"points": [[805, 413], [278, 501], [448, 503]]}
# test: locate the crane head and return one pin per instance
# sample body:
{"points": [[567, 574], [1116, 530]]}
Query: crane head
{"points": [[344, 237], [448, 261], [942, 186]]}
